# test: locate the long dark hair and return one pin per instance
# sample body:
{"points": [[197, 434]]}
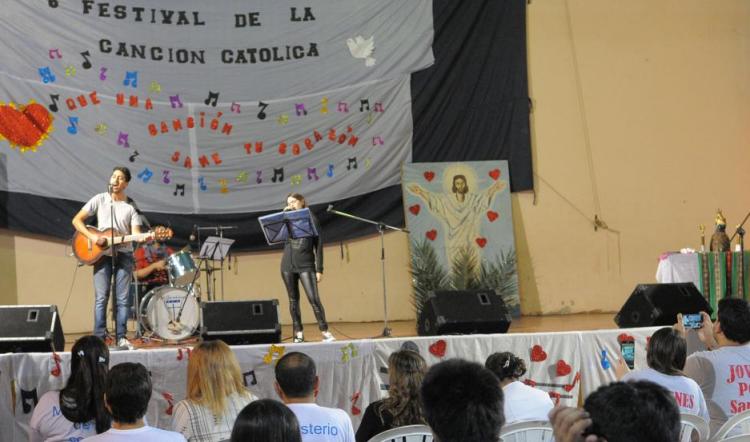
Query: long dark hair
{"points": [[82, 399], [406, 370], [667, 351], [266, 420]]}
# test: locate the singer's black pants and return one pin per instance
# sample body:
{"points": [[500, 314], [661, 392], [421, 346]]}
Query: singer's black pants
{"points": [[291, 280]]}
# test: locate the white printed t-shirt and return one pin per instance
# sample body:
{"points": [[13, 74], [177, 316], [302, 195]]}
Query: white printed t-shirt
{"points": [[144, 433], [322, 424], [524, 403], [724, 377], [48, 423], [686, 391]]}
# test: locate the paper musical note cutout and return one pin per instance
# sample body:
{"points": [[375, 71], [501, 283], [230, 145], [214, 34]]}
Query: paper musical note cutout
{"points": [[165, 177], [122, 139], [202, 184], [53, 107], [312, 172], [179, 188], [329, 173], [283, 119], [236, 108], [364, 105], [258, 178], [53, 52], [155, 87], [296, 180], [132, 158], [299, 108], [278, 175], [352, 163], [604, 360], [145, 175], [213, 99], [175, 101], [86, 63], [131, 79], [368, 163], [73, 128], [342, 107], [249, 375], [262, 113], [27, 398], [378, 107], [377, 139], [274, 350], [103, 74], [47, 75], [224, 184], [70, 71], [101, 129], [324, 105], [242, 177]]}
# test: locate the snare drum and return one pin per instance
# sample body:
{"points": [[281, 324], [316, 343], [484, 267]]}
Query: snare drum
{"points": [[181, 269], [160, 309]]}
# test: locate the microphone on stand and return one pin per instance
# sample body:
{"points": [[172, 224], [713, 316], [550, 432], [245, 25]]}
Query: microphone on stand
{"points": [[192, 234], [109, 188], [287, 208], [330, 207]]}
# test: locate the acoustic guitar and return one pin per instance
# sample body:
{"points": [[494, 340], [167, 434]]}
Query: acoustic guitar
{"points": [[89, 252]]}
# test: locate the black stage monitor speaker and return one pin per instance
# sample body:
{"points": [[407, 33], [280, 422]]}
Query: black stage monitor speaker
{"points": [[463, 312], [30, 328], [658, 304], [241, 322]]}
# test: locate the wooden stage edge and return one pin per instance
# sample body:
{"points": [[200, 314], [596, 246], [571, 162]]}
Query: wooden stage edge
{"points": [[403, 329]]}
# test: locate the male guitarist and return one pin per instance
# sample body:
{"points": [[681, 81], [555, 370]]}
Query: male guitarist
{"points": [[126, 221]]}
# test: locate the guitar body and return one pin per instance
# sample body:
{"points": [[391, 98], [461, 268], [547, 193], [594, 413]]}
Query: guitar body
{"points": [[87, 251]]}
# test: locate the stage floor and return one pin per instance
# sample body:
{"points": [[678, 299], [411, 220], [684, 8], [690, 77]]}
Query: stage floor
{"points": [[402, 329]]}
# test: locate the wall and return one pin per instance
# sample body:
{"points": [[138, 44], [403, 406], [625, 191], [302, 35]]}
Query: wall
{"points": [[641, 116]]}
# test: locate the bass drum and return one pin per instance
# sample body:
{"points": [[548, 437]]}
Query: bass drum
{"points": [[171, 313]]}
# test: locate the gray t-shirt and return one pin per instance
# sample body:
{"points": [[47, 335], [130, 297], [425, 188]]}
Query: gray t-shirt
{"points": [[125, 217]]}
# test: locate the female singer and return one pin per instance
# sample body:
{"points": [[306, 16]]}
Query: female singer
{"points": [[303, 261]]}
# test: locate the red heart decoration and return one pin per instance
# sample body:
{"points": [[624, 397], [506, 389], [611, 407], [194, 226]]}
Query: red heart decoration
{"points": [[495, 174], [538, 354], [492, 215], [355, 410], [438, 348], [429, 175], [563, 368], [481, 242], [415, 209], [431, 234], [27, 127], [624, 337]]}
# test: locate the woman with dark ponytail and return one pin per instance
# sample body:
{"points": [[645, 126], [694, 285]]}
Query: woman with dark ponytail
{"points": [[521, 402], [77, 411]]}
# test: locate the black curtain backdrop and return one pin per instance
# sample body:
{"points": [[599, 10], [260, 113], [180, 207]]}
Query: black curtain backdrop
{"points": [[471, 105]]}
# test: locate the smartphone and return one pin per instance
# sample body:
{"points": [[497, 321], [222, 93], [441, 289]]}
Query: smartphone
{"points": [[692, 320], [627, 350]]}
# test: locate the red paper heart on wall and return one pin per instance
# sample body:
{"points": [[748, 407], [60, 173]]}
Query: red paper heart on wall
{"points": [[429, 175], [562, 368], [431, 234], [492, 215], [25, 127], [438, 348], [481, 242], [495, 174], [538, 354], [414, 209]]}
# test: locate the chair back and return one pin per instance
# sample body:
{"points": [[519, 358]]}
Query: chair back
{"points": [[407, 433], [739, 424], [693, 428], [529, 431], [739, 438]]}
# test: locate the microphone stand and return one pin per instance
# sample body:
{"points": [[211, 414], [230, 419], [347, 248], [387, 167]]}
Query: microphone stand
{"points": [[381, 230], [113, 276]]}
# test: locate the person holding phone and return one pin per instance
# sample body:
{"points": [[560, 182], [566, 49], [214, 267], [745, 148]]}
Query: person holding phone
{"points": [[666, 353]]}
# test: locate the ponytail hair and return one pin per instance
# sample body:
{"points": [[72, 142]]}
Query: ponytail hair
{"points": [[506, 365], [82, 399]]}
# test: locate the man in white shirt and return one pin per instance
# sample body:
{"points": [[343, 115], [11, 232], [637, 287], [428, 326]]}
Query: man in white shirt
{"points": [[723, 372], [297, 386], [126, 397]]}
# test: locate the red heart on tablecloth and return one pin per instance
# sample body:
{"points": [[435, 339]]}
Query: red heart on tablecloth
{"points": [[429, 175], [624, 337], [492, 215], [538, 354], [431, 234], [563, 368], [481, 242], [495, 174], [415, 209], [438, 348], [25, 127]]}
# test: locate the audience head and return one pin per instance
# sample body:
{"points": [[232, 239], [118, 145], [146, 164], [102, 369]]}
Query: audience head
{"points": [[82, 399], [406, 370], [667, 351], [213, 374], [506, 366], [633, 412], [266, 420], [462, 402], [296, 377], [128, 392], [734, 320]]}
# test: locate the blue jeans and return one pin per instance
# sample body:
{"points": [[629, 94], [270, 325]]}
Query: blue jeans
{"points": [[102, 280]]}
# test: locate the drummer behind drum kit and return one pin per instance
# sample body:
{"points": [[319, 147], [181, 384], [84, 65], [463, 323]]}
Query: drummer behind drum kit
{"points": [[172, 311]]}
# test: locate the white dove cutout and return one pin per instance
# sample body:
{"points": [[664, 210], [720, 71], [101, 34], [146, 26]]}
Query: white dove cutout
{"points": [[361, 48]]}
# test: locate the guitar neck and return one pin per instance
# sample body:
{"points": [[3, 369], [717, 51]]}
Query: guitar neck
{"points": [[129, 238]]}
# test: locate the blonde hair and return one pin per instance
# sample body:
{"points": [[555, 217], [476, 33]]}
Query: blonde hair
{"points": [[213, 375]]}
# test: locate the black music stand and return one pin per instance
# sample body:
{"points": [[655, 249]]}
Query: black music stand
{"points": [[294, 224], [215, 248]]}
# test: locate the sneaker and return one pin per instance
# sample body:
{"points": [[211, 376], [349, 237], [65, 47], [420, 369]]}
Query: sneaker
{"points": [[328, 337], [124, 344], [298, 337]]}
